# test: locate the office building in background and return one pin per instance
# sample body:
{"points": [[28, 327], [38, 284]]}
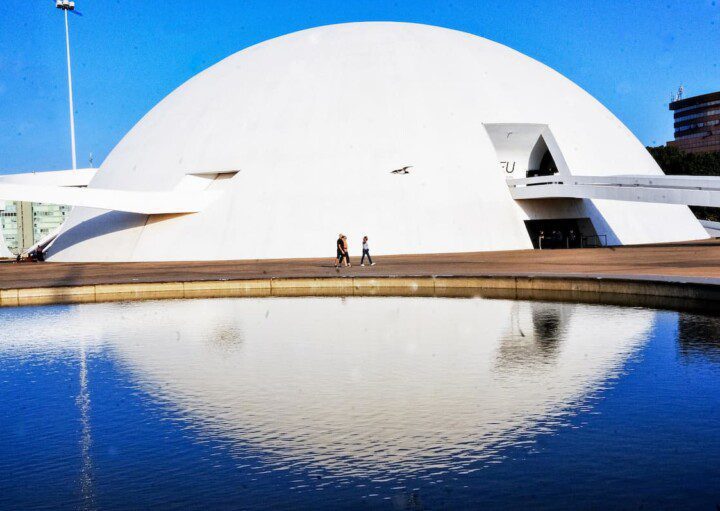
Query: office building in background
{"points": [[697, 123], [26, 223]]}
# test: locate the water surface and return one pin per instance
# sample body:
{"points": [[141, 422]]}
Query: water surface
{"points": [[358, 403]]}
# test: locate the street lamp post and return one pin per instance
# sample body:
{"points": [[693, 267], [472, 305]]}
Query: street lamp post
{"points": [[69, 5]]}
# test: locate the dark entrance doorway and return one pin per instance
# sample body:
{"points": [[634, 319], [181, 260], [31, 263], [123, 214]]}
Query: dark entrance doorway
{"points": [[547, 166], [563, 233]]}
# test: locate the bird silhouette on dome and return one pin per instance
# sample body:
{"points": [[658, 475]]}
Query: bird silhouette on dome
{"points": [[403, 170]]}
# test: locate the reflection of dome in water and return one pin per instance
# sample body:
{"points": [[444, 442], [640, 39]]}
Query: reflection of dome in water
{"points": [[367, 386], [300, 134]]}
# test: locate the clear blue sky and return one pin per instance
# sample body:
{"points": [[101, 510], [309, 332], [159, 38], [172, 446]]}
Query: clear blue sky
{"points": [[629, 54]]}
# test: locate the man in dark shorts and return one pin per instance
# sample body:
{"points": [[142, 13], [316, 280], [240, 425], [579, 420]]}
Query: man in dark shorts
{"points": [[340, 245]]}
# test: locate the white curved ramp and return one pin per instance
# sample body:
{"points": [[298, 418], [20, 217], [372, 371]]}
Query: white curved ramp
{"points": [[78, 177], [662, 189], [147, 203]]}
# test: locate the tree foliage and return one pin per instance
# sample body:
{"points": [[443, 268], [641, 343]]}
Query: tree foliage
{"points": [[676, 162]]}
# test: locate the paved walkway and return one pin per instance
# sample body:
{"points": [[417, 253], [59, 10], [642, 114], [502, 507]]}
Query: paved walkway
{"points": [[691, 262]]}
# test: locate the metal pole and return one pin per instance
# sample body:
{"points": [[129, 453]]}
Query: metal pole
{"points": [[70, 93]]}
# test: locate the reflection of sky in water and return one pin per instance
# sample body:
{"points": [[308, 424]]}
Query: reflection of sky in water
{"points": [[394, 402]]}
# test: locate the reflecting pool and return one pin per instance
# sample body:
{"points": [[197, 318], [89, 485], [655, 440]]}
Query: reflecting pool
{"points": [[358, 403]]}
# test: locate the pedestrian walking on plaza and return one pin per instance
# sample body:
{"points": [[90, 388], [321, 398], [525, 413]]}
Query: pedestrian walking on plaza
{"points": [[366, 252], [340, 245], [347, 252]]}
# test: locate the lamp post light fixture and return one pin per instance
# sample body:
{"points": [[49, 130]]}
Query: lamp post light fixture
{"points": [[69, 5]]}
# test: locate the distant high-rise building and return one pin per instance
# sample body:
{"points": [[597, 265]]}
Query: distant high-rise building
{"points": [[25, 223], [697, 123]]}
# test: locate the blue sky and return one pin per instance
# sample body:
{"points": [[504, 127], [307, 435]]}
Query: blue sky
{"points": [[629, 54]]}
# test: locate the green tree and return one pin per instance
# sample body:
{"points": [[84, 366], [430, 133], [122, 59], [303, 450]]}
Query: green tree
{"points": [[676, 162]]}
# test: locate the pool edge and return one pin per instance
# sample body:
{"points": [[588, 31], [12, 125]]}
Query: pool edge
{"points": [[587, 288]]}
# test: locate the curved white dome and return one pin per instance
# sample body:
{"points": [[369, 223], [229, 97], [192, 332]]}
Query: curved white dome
{"points": [[315, 121]]}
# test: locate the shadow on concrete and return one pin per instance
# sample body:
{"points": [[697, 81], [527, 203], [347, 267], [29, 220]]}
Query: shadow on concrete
{"points": [[95, 227], [601, 226]]}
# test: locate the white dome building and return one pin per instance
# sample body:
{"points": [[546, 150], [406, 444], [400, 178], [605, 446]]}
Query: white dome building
{"points": [[299, 136]]}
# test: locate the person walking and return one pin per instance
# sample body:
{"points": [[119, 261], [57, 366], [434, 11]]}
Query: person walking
{"points": [[340, 245], [572, 239], [347, 252], [366, 252]]}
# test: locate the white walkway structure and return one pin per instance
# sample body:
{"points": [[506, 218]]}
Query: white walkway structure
{"points": [[688, 190], [275, 150], [70, 187]]}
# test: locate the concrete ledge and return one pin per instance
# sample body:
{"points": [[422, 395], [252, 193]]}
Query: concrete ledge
{"points": [[139, 291], [502, 282], [49, 295], [331, 286], [365, 284], [226, 288], [8, 297], [299, 283], [657, 292]]}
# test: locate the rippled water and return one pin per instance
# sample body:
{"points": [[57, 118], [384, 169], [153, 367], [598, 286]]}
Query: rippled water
{"points": [[358, 403]]}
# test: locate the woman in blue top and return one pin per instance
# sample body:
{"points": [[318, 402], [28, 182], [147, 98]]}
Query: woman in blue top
{"points": [[366, 252]]}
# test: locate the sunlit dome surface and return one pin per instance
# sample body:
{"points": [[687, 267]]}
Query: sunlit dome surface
{"points": [[301, 133]]}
